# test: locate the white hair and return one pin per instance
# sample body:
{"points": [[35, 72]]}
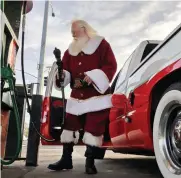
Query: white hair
{"points": [[89, 30]]}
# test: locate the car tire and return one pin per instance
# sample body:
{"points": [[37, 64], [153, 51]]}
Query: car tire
{"points": [[167, 132]]}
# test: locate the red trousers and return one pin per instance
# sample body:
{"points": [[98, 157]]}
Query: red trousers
{"points": [[93, 122]]}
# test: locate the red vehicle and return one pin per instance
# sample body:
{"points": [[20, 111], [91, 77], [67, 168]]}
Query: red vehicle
{"points": [[146, 113]]}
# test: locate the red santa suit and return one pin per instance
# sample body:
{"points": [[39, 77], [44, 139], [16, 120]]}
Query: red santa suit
{"points": [[97, 61]]}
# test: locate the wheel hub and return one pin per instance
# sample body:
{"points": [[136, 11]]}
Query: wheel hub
{"points": [[170, 136], [177, 134]]}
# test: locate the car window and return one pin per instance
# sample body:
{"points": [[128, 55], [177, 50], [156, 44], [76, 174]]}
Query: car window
{"points": [[123, 72], [113, 85], [149, 47]]}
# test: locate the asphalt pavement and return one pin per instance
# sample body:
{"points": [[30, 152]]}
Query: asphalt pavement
{"points": [[113, 166]]}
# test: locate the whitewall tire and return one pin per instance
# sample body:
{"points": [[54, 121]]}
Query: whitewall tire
{"points": [[167, 132]]}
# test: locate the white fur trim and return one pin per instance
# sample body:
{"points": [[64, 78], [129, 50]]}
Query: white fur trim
{"points": [[79, 107], [92, 140], [100, 79], [67, 137], [66, 79], [90, 47]]}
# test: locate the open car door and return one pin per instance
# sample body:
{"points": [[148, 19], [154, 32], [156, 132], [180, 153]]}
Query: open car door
{"points": [[52, 112]]}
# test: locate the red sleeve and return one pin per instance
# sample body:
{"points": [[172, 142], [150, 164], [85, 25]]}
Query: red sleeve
{"points": [[66, 60], [108, 61]]}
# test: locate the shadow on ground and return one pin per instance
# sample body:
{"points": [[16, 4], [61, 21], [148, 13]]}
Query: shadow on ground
{"points": [[108, 168]]}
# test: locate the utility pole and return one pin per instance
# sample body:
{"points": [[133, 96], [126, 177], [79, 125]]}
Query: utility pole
{"points": [[33, 137], [42, 52]]}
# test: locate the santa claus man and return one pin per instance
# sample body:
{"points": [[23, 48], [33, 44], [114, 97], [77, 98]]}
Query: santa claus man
{"points": [[89, 58]]}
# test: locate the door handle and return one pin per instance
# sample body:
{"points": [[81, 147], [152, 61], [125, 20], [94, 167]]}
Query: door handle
{"points": [[132, 98]]}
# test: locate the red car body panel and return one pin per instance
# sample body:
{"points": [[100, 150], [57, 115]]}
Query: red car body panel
{"points": [[138, 133]]}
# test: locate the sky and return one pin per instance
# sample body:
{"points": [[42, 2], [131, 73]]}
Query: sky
{"points": [[124, 24]]}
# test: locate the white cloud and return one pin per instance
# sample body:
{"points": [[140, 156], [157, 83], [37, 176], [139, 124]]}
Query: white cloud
{"points": [[161, 29], [179, 5], [121, 42], [97, 10], [135, 21], [59, 39]]}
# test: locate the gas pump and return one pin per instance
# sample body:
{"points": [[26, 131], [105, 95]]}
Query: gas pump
{"points": [[8, 80], [10, 24]]}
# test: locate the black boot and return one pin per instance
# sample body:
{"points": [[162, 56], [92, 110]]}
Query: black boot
{"points": [[89, 165], [66, 161]]}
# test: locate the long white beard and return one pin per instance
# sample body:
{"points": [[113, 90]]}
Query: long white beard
{"points": [[78, 44]]}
